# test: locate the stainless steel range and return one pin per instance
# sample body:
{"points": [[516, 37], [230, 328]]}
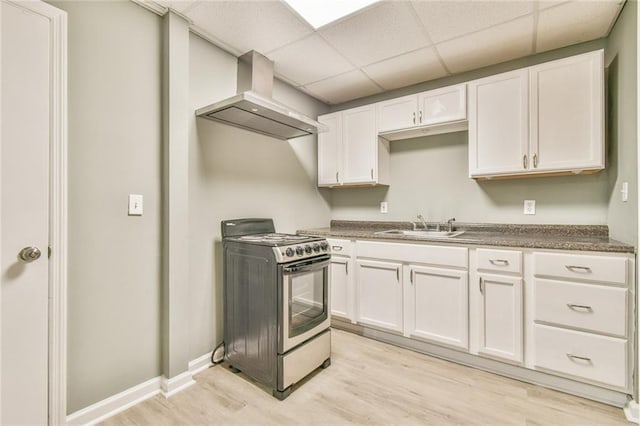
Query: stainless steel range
{"points": [[276, 327]]}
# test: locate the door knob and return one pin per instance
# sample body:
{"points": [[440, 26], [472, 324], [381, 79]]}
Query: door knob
{"points": [[29, 254]]}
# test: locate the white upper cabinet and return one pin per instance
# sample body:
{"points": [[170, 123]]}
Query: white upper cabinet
{"points": [[567, 114], [545, 119], [399, 113], [329, 150], [351, 153], [432, 112], [498, 124]]}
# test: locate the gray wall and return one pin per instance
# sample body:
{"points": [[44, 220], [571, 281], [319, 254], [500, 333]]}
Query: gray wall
{"points": [[429, 175], [114, 150], [622, 124], [235, 173]]}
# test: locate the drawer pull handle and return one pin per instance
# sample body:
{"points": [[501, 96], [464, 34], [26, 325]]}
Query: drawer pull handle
{"points": [[336, 248], [499, 262], [581, 358], [574, 307], [574, 268]]}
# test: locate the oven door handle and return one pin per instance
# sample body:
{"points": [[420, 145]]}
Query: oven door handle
{"points": [[315, 266]]}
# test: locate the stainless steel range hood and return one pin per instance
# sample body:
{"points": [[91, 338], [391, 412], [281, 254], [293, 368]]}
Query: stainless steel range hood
{"points": [[254, 109]]}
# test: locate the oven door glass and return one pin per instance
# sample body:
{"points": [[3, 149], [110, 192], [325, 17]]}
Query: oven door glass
{"points": [[308, 296]]}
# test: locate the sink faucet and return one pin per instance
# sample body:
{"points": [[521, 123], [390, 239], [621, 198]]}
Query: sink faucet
{"points": [[424, 224], [450, 224]]}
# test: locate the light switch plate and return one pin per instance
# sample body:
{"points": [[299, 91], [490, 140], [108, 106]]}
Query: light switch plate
{"points": [[135, 205], [384, 207], [625, 192], [529, 207]]}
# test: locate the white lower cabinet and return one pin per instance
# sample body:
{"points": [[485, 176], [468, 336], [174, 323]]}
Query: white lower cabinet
{"points": [[437, 305], [500, 317], [581, 316], [379, 294], [340, 279], [569, 314]]}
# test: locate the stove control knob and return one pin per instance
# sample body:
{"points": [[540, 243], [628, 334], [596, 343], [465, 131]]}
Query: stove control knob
{"points": [[308, 249], [324, 245], [299, 251], [316, 248], [289, 252]]}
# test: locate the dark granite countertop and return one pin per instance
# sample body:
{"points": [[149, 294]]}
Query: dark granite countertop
{"points": [[558, 237]]}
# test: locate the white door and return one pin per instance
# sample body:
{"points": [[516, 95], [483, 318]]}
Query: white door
{"points": [[437, 306], [399, 113], [24, 213], [380, 294], [359, 145], [499, 124], [501, 317], [340, 290], [329, 150], [567, 106]]}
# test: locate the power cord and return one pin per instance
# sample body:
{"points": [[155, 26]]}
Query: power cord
{"points": [[220, 358]]}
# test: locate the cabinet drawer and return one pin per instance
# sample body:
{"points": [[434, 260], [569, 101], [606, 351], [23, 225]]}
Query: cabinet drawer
{"points": [[414, 253], [582, 355], [581, 267], [592, 307], [340, 246], [499, 260]]}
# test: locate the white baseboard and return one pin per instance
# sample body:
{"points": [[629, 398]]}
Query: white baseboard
{"points": [[632, 412], [117, 403], [106, 408], [172, 386], [200, 364]]}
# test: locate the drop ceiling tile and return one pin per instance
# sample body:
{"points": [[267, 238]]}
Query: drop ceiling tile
{"points": [[406, 69], [344, 87], [445, 20], [377, 33], [249, 25], [494, 45], [575, 22], [308, 60]]}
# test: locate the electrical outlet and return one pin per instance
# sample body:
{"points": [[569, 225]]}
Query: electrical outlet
{"points": [[529, 207], [384, 207], [625, 192], [135, 205]]}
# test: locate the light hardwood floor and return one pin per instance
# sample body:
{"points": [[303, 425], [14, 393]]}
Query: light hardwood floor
{"points": [[371, 383]]}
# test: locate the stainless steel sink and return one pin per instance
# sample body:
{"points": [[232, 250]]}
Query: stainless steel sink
{"points": [[421, 234]]}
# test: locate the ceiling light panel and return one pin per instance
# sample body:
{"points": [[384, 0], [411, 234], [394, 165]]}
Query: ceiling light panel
{"points": [[321, 12]]}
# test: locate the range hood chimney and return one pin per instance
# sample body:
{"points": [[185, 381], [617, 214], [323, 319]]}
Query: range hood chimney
{"points": [[253, 107]]}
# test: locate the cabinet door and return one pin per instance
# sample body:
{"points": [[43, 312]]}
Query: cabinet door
{"points": [[329, 150], [567, 113], [498, 124], [359, 145], [379, 292], [501, 317], [442, 105], [399, 113], [437, 306], [340, 287]]}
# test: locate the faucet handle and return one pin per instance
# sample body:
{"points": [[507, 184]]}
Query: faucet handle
{"points": [[450, 224]]}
